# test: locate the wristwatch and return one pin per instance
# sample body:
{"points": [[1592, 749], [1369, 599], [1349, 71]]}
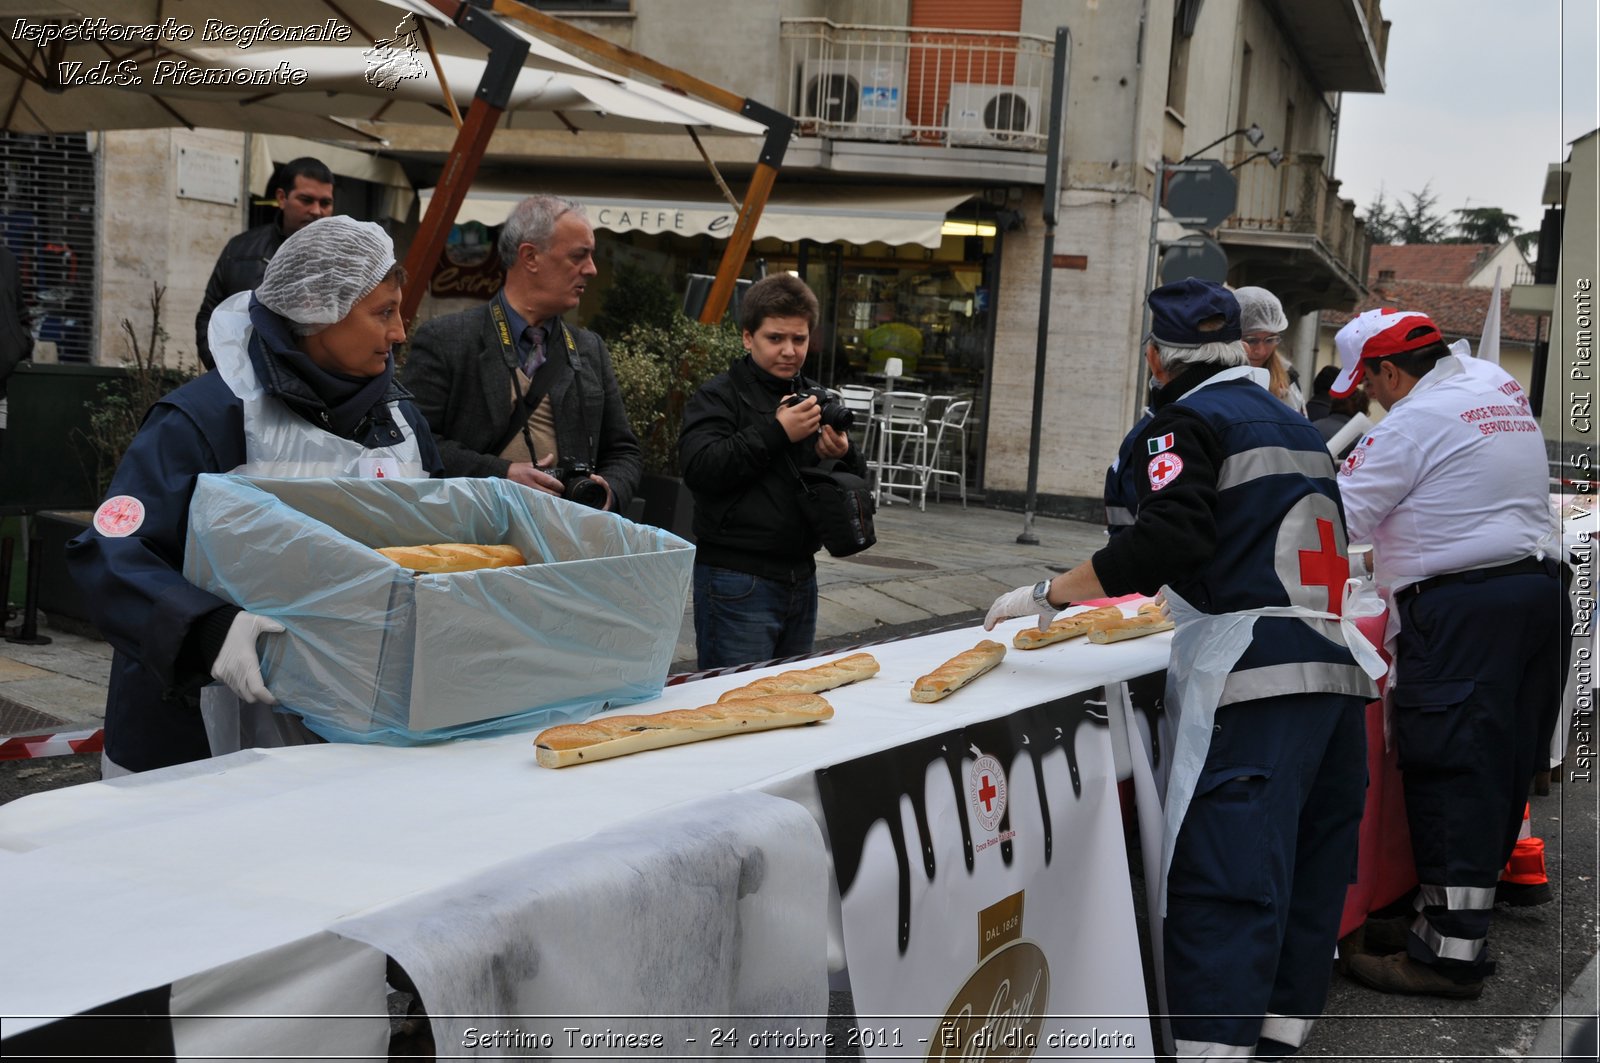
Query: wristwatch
{"points": [[1041, 596]]}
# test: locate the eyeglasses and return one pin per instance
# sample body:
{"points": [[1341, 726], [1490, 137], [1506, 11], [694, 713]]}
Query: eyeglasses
{"points": [[1261, 341]]}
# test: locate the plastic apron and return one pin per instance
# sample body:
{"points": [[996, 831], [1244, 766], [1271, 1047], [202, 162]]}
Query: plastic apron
{"points": [[1205, 647], [280, 443]]}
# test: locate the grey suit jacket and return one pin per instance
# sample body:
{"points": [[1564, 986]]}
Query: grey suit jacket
{"points": [[461, 379]]}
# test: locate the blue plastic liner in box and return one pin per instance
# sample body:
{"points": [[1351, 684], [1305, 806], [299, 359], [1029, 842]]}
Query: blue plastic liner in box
{"points": [[375, 653]]}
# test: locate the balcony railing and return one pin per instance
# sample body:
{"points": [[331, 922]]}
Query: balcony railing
{"points": [[916, 85], [1298, 197]]}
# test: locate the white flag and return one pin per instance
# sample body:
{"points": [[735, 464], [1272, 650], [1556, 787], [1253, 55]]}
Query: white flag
{"points": [[1489, 346]]}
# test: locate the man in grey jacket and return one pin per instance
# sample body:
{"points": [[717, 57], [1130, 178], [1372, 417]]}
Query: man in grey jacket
{"points": [[509, 388]]}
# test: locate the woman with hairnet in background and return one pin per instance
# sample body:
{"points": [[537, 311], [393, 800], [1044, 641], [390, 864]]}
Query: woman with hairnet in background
{"points": [[304, 386], [1262, 320]]}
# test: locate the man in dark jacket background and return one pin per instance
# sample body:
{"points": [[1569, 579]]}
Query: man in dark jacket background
{"points": [[304, 188], [755, 573]]}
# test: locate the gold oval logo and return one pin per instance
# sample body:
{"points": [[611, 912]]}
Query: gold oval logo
{"points": [[998, 1013]]}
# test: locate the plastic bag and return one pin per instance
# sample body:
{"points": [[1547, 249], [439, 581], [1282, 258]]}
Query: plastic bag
{"points": [[375, 653]]}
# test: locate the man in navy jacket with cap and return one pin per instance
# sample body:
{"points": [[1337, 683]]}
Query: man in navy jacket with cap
{"points": [[1238, 521]]}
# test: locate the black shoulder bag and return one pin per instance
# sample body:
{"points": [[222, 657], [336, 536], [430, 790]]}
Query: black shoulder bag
{"points": [[839, 505]]}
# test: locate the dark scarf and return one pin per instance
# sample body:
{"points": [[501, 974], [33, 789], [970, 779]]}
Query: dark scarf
{"points": [[337, 402]]}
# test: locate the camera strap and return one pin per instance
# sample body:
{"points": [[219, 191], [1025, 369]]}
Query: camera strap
{"points": [[538, 384]]}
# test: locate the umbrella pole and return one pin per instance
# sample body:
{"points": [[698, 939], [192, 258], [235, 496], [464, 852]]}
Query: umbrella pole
{"points": [[507, 52], [779, 128]]}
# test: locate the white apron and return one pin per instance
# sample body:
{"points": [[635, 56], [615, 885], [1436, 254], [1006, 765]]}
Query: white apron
{"points": [[280, 443], [1205, 647]]}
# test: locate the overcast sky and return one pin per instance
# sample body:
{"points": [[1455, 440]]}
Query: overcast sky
{"points": [[1482, 96]]}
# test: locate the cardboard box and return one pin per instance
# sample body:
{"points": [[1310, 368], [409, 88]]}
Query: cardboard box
{"points": [[376, 653]]}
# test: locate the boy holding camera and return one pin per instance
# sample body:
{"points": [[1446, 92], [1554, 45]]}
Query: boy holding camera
{"points": [[746, 434]]}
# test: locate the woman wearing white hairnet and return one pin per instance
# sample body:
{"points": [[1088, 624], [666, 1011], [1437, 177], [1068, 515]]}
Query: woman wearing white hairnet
{"points": [[1262, 321], [304, 386]]}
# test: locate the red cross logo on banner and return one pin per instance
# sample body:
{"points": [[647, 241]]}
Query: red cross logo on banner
{"points": [[986, 789], [986, 793], [1325, 566]]}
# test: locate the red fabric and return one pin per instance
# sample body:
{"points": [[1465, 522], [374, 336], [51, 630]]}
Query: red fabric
{"points": [[1384, 867], [1099, 602]]}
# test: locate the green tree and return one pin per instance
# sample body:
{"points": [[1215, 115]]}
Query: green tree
{"points": [[1419, 222], [1483, 225], [1382, 226]]}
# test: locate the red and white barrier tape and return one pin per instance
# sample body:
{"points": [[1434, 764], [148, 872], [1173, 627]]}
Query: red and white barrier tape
{"points": [[64, 744]]}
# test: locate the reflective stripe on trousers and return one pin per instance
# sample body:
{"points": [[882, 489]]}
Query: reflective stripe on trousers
{"points": [[1456, 898], [1467, 950], [1286, 1029]]}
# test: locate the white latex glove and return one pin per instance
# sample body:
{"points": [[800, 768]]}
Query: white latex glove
{"points": [[1017, 603], [237, 664], [1162, 604]]}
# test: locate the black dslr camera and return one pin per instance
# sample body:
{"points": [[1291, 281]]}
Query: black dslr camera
{"points": [[576, 485], [835, 414]]}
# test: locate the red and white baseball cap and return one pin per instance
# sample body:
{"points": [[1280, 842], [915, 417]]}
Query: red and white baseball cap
{"points": [[1378, 334]]}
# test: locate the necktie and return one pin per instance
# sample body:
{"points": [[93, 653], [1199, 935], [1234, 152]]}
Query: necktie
{"points": [[533, 342]]}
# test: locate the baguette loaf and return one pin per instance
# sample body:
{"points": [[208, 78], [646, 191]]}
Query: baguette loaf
{"points": [[453, 557], [851, 669], [1068, 627], [617, 736], [958, 671], [1148, 621]]}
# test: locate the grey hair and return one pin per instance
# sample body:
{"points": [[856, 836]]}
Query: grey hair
{"points": [[1223, 354], [532, 222]]}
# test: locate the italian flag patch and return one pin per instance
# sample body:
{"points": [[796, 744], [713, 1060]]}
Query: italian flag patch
{"points": [[1160, 443]]}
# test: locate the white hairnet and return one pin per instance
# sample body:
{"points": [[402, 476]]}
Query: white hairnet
{"points": [[1259, 310], [325, 269]]}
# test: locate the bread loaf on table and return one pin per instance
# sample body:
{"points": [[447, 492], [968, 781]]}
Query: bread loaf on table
{"points": [[617, 736], [851, 669], [1148, 621], [958, 671], [1067, 627], [453, 557]]}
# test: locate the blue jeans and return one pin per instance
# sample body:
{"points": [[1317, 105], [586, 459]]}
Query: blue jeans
{"points": [[742, 619]]}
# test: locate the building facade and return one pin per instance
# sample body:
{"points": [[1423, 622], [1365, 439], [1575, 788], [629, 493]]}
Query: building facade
{"points": [[911, 197]]}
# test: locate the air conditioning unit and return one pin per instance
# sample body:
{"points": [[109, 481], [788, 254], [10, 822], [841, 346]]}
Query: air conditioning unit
{"points": [[993, 115], [863, 97]]}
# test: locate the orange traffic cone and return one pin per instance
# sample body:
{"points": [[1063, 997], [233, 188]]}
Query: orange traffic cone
{"points": [[1524, 883]]}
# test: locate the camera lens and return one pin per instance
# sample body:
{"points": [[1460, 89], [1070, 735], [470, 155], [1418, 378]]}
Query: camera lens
{"points": [[585, 492]]}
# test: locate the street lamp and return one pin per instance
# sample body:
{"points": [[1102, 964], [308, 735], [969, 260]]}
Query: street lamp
{"points": [[1252, 133], [1272, 155]]}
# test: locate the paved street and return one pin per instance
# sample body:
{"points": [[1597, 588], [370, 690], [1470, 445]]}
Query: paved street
{"points": [[945, 566]]}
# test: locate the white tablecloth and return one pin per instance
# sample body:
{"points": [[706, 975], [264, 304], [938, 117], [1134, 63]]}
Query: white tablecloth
{"points": [[115, 887]]}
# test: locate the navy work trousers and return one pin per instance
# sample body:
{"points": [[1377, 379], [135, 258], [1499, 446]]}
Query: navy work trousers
{"points": [[1263, 859], [1478, 683]]}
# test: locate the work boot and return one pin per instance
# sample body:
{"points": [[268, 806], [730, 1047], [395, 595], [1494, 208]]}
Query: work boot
{"points": [[1399, 973], [1522, 894], [1383, 936]]}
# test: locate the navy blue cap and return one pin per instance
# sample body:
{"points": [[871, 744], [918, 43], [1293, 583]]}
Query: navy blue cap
{"points": [[1177, 309]]}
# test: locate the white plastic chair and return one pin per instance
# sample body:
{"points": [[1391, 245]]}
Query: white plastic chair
{"points": [[952, 419], [902, 446], [860, 401]]}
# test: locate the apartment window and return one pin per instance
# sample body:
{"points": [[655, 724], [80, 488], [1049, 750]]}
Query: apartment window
{"points": [[1184, 17]]}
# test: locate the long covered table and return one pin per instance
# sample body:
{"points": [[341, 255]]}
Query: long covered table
{"points": [[646, 892]]}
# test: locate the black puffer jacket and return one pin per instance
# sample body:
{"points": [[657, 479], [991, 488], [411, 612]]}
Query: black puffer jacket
{"points": [[239, 268], [747, 514]]}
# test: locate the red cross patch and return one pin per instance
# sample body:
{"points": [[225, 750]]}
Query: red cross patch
{"points": [[1163, 469], [1353, 462], [119, 517]]}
